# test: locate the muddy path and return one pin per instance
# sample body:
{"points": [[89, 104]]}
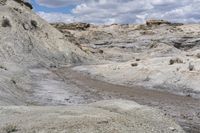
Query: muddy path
{"points": [[185, 110]]}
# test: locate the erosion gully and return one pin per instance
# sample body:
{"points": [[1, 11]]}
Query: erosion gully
{"points": [[185, 110]]}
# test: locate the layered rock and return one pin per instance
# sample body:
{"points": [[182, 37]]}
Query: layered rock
{"points": [[155, 46]]}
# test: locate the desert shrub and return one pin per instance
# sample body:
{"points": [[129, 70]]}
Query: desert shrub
{"points": [[28, 5], [101, 51], [134, 64], [137, 59], [2, 67], [5, 23], [53, 66], [10, 128], [147, 32], [34, 23], [176, 60]]}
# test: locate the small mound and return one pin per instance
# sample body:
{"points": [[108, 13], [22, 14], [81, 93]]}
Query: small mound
{"points": [[101, 117]]}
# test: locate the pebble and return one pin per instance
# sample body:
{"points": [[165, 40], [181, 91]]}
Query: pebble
{"points": [[172, 128]]}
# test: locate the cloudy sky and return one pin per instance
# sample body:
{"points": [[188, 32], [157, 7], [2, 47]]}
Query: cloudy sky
{"points": [[117, 11]]}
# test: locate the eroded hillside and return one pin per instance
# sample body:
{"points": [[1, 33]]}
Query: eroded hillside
{"points": [[147, 63], [40, 91], [158, 54]]}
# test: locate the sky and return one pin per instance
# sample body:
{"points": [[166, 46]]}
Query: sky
{"points": [[117, 11]]}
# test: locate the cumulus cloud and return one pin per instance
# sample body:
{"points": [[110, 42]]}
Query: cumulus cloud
{"points": [[57, 17], [125, 11]]}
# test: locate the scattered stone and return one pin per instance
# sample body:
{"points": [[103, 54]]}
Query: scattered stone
{"points": [[198, 114], [137, 59], [13, 81], [4, 68], [198, 55], [191, 67], [172, 129], [103, 122], [134, 64], [52, 66], [176, 60]]}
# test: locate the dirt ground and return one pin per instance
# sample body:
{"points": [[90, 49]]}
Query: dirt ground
{"points": [[185, 110]]}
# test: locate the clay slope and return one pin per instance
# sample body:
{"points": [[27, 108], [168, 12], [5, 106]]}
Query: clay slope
{"points": [[27, 41]]}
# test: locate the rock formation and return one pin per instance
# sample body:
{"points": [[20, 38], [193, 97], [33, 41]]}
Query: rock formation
{"points": [[159, 47]]}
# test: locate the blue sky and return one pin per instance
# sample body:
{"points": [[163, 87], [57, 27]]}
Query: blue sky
{"points": [[117, 11], [64, 9]]}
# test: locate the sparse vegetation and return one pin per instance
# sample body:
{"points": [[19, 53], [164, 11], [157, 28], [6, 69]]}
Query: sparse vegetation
{"points": [[137, 59], [10, 128], [6, 23], [176, 60], [28, 5], [53, 66], [101, 51], [134, 64], [34, 23], [147, 32]]}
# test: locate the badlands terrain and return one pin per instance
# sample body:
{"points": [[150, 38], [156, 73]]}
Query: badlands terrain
{"points": [[84, 78]]}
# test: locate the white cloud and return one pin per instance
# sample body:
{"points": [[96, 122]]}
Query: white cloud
{"points": [[125, 11], [58, 3], [57, 17]]}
